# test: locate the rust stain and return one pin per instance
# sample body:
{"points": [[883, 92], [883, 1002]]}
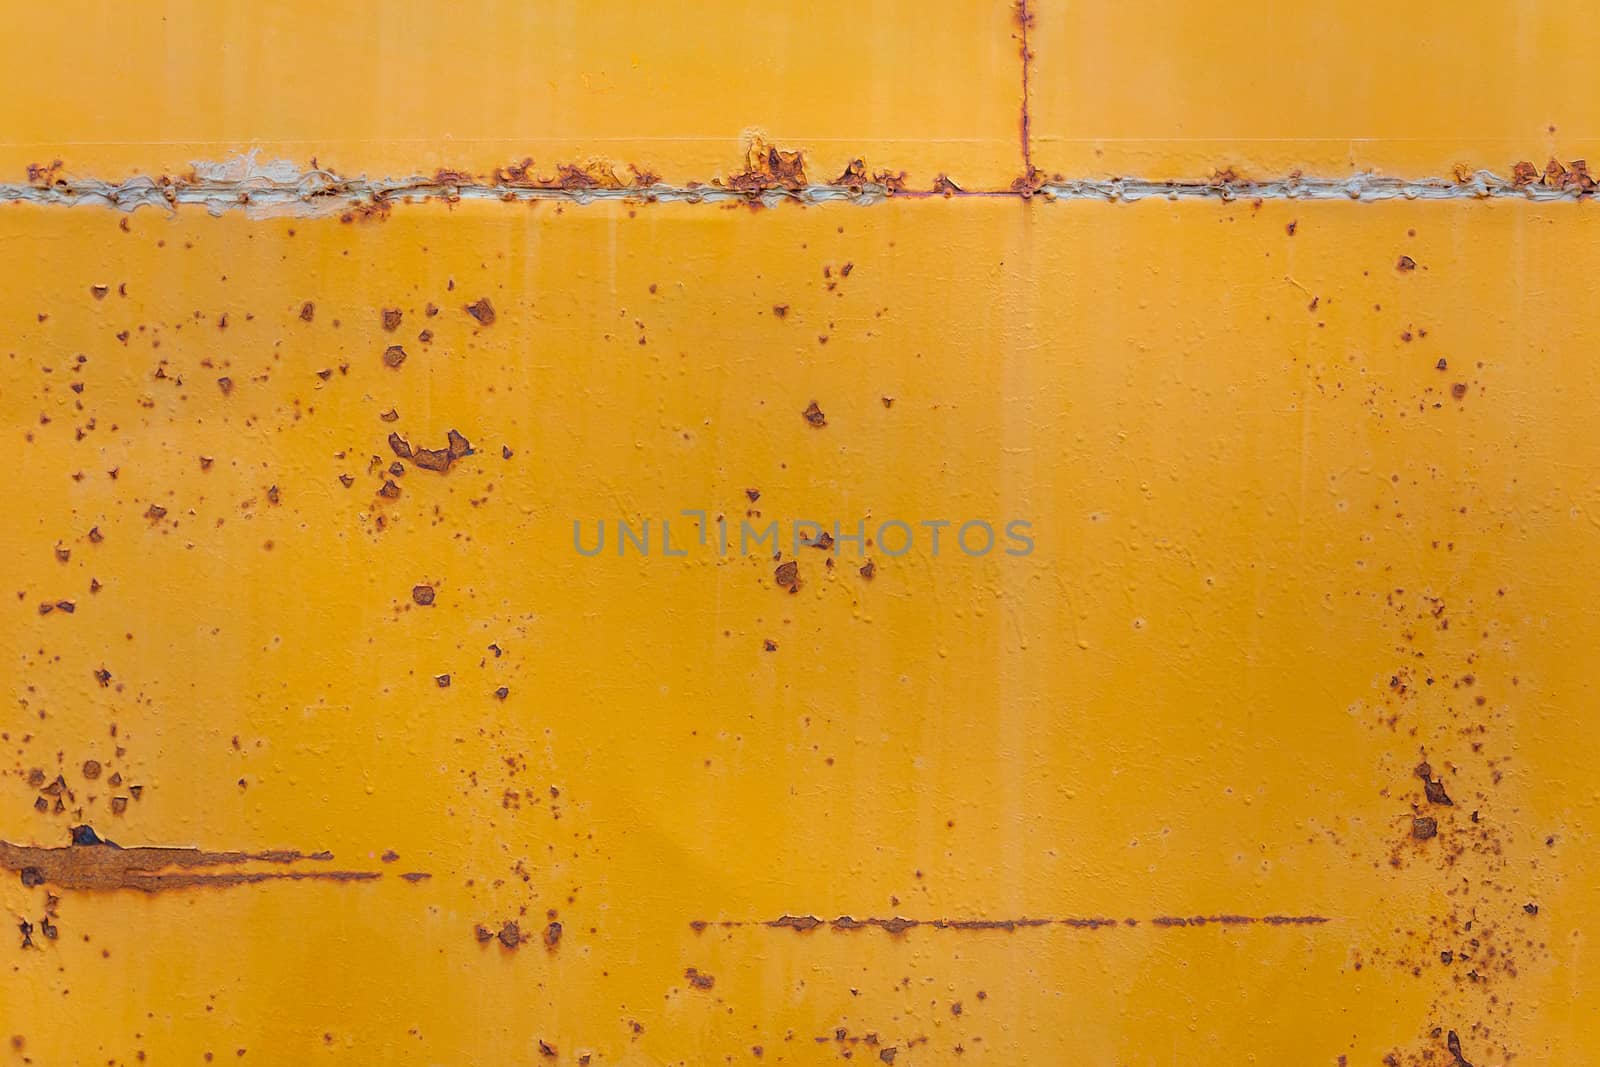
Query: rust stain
{"points": [[768, 168], [93, 863]]}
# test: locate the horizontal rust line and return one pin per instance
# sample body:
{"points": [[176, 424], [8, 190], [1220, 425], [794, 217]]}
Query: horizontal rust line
{"points": [[899, 925], [771, 178], [91, 863]]}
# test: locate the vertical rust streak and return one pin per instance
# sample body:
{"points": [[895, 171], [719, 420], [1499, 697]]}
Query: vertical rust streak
{"points": [[1024, 20]]}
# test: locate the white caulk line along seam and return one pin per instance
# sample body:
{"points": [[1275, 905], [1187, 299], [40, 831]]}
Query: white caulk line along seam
{"points": [[273, 190]]}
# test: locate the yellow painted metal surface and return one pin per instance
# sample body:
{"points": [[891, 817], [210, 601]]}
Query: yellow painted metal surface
{"points": [[1260, 733]]}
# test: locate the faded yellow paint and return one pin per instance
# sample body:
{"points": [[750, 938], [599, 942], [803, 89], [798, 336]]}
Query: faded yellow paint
{"points": [[1179, 91], [1309, 487], [401, 88], [1249, 516]]}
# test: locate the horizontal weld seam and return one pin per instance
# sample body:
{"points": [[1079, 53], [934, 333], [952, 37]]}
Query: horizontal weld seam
{"points": [[320, 192]]}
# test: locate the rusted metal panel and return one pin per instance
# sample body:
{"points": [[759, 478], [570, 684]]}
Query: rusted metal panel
{"points": [[777, 612]]}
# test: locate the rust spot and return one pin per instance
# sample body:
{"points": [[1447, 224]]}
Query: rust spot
{"points": [[1453, 1044], [698, 979], [552, 935], [1405, 264], [769, 168], [391, 319], [780, 310], [1423, 827], [399, 446], [944, 185], [91, 863], [439, 459], [388, 490], [308, 311], [1433, 787], [393, 356], [422, 594], [510, 934], [226, 385], [1458, 390], [814, 416], [788, 575], [547, 1049], [769, 645], [390, 415], [868, 569], [483, 311], [442, 681], [91, 769], [796, 922], [824, 540]]}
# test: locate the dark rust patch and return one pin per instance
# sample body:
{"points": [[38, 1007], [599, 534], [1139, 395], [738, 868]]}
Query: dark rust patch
{"points": [[1433, 787], [699, 979], [814, 416], [788, 575], [422, 594], [435, 459], [393, 356], [482, 310]]}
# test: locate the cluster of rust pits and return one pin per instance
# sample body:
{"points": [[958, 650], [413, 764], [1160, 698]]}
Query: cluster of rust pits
{"points": [[511, 935], [56, 796]]}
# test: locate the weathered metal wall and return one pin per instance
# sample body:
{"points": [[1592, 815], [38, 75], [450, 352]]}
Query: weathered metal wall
{"points": [[1261, 340]]}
